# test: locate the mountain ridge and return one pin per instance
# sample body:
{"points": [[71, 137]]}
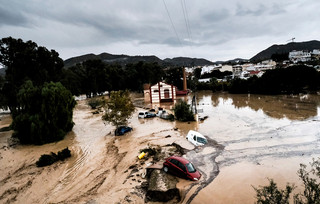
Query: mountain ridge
{"points": [[126, 59], [285, 48]]}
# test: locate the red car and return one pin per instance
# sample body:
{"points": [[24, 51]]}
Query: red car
{"points": [[181, 167]]}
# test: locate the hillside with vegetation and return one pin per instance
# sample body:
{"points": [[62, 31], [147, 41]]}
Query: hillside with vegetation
{"points": [[285, 49], [126, 59]]}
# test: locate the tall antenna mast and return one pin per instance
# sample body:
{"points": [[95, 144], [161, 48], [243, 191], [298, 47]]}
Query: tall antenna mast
{"points": [[292, 39]]}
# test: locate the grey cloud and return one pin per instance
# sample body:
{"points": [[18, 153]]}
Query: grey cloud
{"points": [[241, 11], [11, 17], [99, 23], [216, 15], [277, 9]]}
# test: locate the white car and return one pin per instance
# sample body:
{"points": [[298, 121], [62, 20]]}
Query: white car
{"points": [[142, 115], [196, 138]]}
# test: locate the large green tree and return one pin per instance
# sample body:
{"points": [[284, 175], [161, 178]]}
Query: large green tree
{"points": [[41, 107], [118, 108], [26, 61], [45, 113], [174, 76]]}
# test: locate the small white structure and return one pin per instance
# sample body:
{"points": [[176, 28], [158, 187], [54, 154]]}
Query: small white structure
{"points": [[244, 75], [162, 92], [226, 68], [206, 80]]}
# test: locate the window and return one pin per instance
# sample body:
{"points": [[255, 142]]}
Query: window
{"points": [[190, 168], [202, 140], [166, 93], [181, 166], [155, 91], [175, 162]]}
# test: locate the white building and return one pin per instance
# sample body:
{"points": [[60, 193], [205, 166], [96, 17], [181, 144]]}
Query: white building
{"points": [[299, 56], [316, 52], [236, 70], [161, 92], [210, 68]]}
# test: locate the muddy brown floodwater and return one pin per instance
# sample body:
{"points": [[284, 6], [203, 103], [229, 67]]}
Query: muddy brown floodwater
{"points": [[251, 138], [263, 137]]}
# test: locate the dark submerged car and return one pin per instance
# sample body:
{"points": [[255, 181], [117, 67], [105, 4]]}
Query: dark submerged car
{"points": [[121, 130], [181, 167], [150, 115]]}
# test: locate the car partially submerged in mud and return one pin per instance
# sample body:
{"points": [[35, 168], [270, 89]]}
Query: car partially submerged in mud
{"points": [[121, 130], [196, 138], [181, 167]]}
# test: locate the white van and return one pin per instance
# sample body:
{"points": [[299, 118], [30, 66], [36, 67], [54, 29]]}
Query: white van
{"points": [[196, 138]]}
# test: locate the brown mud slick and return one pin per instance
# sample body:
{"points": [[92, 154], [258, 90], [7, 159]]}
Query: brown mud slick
{"points": [[251, 138]]}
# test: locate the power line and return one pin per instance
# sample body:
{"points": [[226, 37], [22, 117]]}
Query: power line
{"points": [[175, 31], [186, 18]]}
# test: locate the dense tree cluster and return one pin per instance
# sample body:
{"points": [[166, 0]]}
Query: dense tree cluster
{"points": [[26, 61], [45, 113], [41, 107], [93, 77]]}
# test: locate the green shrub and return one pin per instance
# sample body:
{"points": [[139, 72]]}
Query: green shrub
{"points": [[311, 195], [183, 112], [95, 103], [48, 159]]}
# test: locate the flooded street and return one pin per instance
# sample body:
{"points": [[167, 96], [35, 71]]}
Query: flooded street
{"points": [[263, 137], [251, 138]]}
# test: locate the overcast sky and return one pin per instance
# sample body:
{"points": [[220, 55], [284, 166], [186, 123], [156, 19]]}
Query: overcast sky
{"points": [[210, 29]]}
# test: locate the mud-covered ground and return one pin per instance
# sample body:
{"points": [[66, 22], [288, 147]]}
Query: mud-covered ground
{"points": [[251, 138]]}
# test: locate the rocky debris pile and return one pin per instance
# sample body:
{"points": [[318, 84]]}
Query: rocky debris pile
{"points": [[151, 181], [162, 187]]}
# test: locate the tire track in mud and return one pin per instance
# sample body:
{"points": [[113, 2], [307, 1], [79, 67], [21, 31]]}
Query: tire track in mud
{"points": [[203, 157], [96, 177], [21, 178]]}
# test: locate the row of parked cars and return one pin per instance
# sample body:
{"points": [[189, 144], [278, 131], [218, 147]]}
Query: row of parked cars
{"points": [[146, 115]]}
